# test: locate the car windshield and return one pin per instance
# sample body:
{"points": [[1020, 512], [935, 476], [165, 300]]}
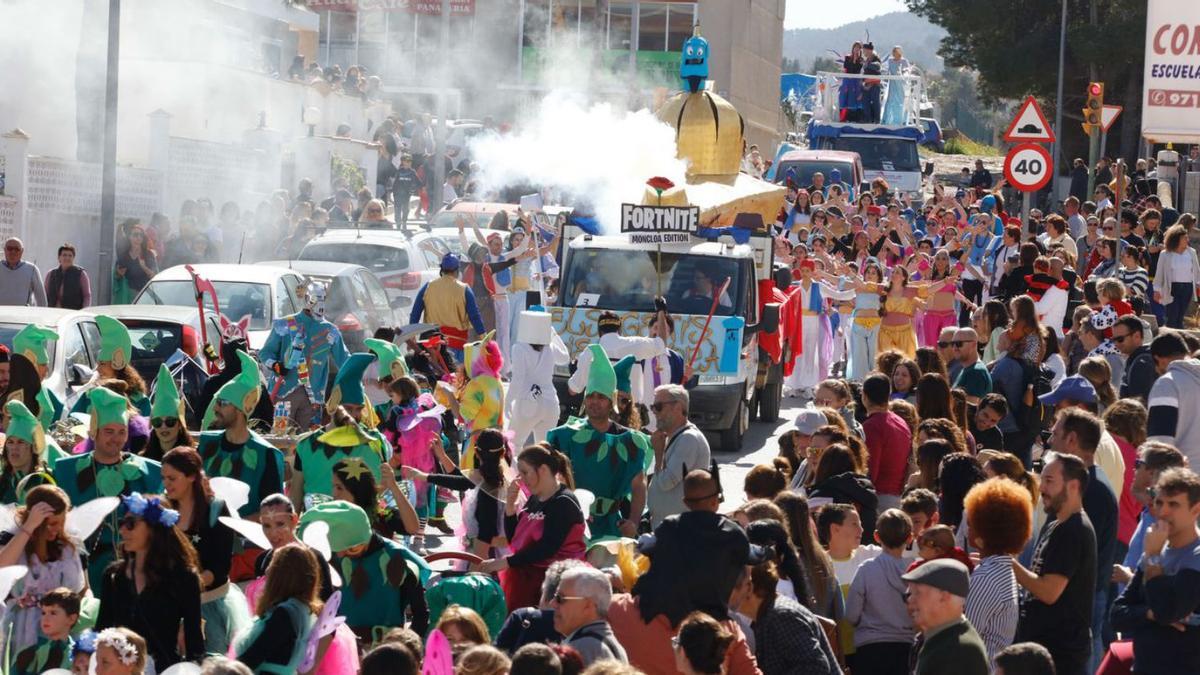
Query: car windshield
{"points": [[882, 153], [237, 298], [805, 169], [375, 257], [9, 330], [153, 343], [494, 220], [626, 280]]}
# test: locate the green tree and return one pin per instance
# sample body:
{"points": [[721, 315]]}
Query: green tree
{"points": [[1013, 45], [827, 64]]}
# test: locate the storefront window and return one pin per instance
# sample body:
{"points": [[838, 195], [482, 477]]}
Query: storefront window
{"points": [[681, 17], [652, 28]]}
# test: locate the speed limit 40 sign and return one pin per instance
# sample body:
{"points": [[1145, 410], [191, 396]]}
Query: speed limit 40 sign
{"points": [[1027, 167]]}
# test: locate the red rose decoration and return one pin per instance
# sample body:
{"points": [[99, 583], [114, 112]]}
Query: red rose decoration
{"points": [[660, 184]]}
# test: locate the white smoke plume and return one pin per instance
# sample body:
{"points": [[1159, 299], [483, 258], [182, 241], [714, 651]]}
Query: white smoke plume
{"points": [[600, 156]]}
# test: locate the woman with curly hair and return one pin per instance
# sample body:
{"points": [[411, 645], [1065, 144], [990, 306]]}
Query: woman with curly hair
{"points": [[904, 381], [958, 473], [1000, 519], [929, 361], [940, 427]]}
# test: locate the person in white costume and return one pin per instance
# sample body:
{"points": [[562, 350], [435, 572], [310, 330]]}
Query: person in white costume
{"points": [[617, 347], [532, 403]]}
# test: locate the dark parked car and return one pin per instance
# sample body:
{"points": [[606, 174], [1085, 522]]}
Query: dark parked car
{"points": [[355, 300], [933, 134]]}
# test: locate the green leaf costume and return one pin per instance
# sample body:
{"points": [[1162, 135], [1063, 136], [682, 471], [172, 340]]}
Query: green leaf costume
{"points": [[256, 463], [604, 463]]}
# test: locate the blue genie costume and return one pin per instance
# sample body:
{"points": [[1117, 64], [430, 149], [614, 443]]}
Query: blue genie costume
{"points": [[693, 66]]}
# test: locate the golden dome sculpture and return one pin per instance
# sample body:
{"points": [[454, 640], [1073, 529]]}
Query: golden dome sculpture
{"points": [[709, 133]]}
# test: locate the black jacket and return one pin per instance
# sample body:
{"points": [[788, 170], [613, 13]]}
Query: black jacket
{"points": [[1157, 646], [1140, 374], [854, 489]]}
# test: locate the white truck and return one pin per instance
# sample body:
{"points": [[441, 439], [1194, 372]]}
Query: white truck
{"points": [[612, 273]]}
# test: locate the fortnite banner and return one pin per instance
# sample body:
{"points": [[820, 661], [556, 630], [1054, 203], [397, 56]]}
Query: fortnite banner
{"points": [[659, 224], [430, 7]]}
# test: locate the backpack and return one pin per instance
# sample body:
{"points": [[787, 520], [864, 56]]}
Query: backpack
{"points": [[1036, 415]]}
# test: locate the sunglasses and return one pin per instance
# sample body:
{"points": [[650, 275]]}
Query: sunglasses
{"points": [[944, 345], [128, 523], [559, 598], [170, 422], [12, 248], [658, 406], [959, 343]]}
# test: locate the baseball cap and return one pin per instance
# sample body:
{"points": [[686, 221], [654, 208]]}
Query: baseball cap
{"points": [[1074, 388], [809, 420], [874, 210], [943, 574], [450, 262]]}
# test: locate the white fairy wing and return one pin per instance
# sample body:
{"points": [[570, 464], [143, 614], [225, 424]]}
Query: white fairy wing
{"points": [[10, 575], [316, 535], [84, 519], [327, 623], [586, 498], [232, 491], [56, 671], [252, 531], [8, 518]]}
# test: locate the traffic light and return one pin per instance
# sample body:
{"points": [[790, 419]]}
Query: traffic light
{"points": [[1095, 103]]}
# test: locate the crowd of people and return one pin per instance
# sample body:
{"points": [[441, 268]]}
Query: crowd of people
{"points": [[1008, 397]]}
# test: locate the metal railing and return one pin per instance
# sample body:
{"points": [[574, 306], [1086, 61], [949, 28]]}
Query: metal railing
{"points": [[829, 97]]}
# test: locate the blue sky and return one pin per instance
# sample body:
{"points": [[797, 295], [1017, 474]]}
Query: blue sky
{"points": [[831, 14]]}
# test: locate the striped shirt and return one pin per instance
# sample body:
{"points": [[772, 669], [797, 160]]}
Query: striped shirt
{"points": [[992, 603], [1136, 280]]}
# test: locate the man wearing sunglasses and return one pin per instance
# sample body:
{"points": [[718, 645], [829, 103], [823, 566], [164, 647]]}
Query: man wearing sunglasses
{"points": [[678, 446], [231, 449], [1129, 338], [974, 377], [1153, 459]]}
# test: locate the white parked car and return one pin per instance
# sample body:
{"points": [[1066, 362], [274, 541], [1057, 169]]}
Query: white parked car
{"points": [[72, 356], [403, 263], [262, 292]]}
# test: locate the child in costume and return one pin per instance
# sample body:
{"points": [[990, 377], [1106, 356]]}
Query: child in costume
{"points": [[415, 424], [392, 367], [481, 403], [485, 486], [381, 580], [354, 482], [292, 621], [25, 385], [318, 451], [60, 612]]}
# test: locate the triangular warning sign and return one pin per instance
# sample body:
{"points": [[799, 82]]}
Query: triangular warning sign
{"points": [[1108, 115], [1029, 125]]}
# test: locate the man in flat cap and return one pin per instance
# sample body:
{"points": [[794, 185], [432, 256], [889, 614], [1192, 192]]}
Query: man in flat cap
{"points": [[936, 595]]}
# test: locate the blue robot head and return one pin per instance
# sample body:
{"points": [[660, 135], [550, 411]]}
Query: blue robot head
{"points": [[693, 66]]}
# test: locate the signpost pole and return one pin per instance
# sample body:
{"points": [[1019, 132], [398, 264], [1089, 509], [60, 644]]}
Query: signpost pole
{"points": [[1027, 205], [1093, 157]]}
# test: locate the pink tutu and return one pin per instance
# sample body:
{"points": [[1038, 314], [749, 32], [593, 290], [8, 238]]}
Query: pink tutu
{"points": [[342, 656], [252, 591]]}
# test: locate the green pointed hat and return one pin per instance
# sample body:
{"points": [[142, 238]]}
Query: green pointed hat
{"points": [[242, 391], [23, 425], [167, 402], [348, 523], [348, 387], [30, 342], [623, 369], [602, 379], [115, 345], [107, 407], [391, 358]]}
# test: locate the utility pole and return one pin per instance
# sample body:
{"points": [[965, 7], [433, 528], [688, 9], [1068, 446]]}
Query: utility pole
{"points": [[1058, 101], [439, 158], [108, 169]]}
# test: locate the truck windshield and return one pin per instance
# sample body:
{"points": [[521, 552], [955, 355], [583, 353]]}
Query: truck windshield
{"points": [[882, 153], [806, 168], [628, 280]]}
